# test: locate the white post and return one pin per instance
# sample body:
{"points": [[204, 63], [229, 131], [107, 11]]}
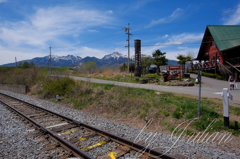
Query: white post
{"points": [[226, 95]]}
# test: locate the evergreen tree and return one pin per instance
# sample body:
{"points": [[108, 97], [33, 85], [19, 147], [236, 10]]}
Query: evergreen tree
{"points": [[123, 67], [25, 65], [159, 59]]}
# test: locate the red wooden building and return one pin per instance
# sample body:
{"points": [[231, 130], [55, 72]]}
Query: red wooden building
{"points": [[220, 50]]}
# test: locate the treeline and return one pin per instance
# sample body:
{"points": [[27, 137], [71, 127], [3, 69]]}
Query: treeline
{"points": [[25, 65], [158, 58]]}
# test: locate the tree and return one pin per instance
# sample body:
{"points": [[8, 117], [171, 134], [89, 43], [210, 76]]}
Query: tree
{"points": [[123, 67], [25, 65], [146, 61], [183, 59], [32, 64], [20, 64], [159, 59], [89, 66]]}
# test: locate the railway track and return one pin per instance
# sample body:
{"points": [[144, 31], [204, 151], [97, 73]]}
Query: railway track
{"points": [[71, 138]]}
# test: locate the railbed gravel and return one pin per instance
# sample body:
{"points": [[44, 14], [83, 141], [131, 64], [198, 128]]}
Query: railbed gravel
{"points": [[161, 140], [13, 143]]}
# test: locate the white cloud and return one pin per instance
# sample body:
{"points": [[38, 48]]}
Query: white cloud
{"points": [[140, 3], [165, 36], [92, 30], [1, 1], [170, 46], [171, 53], [49, 24], [234, 18], [110, 12], [21, 54], [168, 19], [182, 47], [184, 38]]}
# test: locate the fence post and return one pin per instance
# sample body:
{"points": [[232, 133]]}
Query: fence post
{"points": [[226, 95]]}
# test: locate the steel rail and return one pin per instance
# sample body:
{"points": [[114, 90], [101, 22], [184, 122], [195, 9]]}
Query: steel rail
{"points": [[136, 146], [64, 143]]}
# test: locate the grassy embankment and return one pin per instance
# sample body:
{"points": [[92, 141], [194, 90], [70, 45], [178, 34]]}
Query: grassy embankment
{"points": [[132, 104], [116, 75]]}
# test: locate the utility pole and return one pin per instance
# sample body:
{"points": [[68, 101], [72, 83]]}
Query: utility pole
{"points": [[16, 61], [127, 30], [50, 59]]}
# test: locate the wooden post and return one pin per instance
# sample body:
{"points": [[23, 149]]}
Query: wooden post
{"points": [[137, 45]]}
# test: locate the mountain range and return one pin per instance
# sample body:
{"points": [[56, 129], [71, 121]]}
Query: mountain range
{"points": [[113, 59]]}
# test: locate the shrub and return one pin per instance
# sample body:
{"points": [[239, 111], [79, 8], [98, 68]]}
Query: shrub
{"points": [[89, 67], [166, 113], [177, 113], [190, 115], [60, 86], [191, 71], [219, 77]]}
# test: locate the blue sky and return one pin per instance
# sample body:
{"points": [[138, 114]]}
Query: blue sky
{"points": [[95, 28]]}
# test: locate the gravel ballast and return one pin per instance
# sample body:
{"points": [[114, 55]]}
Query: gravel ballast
{"points": [[161, 140], [13, 143]]}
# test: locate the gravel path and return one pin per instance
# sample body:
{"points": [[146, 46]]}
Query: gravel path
{"points": [[194, 150]]}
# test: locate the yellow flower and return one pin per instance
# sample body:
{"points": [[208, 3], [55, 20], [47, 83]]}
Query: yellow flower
{"points": [[180, 112]]}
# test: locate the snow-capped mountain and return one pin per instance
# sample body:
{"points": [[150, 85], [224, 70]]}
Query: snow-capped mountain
{"points": [[115, 55], [113, 59], [72, 58], [56, 61]]}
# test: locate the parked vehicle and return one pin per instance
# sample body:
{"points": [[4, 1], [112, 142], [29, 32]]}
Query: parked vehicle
{"points": [[152, 70]]}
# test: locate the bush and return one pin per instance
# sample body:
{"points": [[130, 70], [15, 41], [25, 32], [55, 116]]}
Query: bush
{"points": [[166, 113], [210, 75], [60, 86], [177, 113], [207, 74], [89, 67], [191, 71], [219, 77]]}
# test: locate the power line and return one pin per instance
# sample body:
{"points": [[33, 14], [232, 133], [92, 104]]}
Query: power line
{"points": [[193, 42]]}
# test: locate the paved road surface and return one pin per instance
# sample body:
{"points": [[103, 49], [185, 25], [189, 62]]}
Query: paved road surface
{"points": [[210, 88]]}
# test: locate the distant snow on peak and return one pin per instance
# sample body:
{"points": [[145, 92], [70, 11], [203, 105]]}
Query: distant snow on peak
{"points": [[114, 55], [67, 58]]}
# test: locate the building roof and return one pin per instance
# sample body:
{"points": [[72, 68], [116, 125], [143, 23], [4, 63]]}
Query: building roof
{"points": [[225, 37]]}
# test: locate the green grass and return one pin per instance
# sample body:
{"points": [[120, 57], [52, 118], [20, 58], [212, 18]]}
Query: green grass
{"points": [[132, 101], [235, 110], [127, 78], [119, 78]]}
